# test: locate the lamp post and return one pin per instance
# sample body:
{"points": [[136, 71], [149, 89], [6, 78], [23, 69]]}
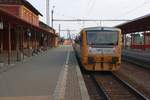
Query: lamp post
{"points": [[52, 15], [47, 13]]}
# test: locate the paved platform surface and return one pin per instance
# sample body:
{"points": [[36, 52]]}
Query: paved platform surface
{"points": [[72, 93], [54, 75], [75, 87]]}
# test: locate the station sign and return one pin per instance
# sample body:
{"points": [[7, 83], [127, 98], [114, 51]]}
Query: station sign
{"points": [[1, 25]]}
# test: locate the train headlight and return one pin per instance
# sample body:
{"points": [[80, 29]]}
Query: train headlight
{"points": [[90, 51], [90, 60], [94, 50], [115, 60]]}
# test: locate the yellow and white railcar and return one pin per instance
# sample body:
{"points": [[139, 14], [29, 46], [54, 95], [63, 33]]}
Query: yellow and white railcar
{"points": [[99, 48]]}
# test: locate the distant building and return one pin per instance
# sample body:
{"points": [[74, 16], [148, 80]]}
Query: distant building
{"points": [[22, 9], [67, 42], [53, 40]]}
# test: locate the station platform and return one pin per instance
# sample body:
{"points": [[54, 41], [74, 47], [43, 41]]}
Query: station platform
{"points": [[52, 75], [136, 52], [138, 57]]}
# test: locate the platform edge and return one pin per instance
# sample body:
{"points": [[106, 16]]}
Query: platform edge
{"points": [[83, 89]]}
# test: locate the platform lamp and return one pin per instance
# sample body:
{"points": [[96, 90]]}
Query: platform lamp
{"points": [[52, 16], [29, 34], [42, 35]]}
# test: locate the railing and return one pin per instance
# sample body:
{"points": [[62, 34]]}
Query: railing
{"points": [[140, 46]]}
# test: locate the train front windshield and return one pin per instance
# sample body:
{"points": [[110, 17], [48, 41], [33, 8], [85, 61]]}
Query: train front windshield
{"points": [[102, 37]]}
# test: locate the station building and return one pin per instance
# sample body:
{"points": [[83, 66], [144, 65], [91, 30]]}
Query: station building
{"points": [[53, 38], [22, 9], [21, 34]]}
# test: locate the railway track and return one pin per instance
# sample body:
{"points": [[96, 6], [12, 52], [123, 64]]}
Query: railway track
{"points": [[94, 89], [109, 87], [137, 76]]}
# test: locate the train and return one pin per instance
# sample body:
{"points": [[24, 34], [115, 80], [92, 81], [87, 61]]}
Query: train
{"points": [[99, 48]]}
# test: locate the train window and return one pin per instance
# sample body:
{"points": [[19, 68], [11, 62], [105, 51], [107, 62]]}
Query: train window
{"points": [[102, 37]]}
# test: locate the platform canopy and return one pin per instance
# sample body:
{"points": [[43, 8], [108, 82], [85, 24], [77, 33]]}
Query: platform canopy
{"points": [[21, 2], [7, 17], [137, 25]]}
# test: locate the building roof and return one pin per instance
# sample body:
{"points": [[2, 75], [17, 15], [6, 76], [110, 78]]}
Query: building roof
{"points": [[136, 25], [28, 5], [21, 2], [45, 26], [10, 18]]}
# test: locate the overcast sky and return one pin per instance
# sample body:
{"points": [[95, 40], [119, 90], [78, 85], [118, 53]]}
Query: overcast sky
{"points": [[93, 9]]}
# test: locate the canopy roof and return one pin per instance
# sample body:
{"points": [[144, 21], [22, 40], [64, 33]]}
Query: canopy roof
{"points": [[137, 25], [7, 17], [21, 2]]}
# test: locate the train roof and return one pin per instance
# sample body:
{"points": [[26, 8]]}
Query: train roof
{"points": [[101, 28]]}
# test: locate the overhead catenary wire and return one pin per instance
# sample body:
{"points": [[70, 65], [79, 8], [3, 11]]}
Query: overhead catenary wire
{"points": [[89, 2], [90, 7], [135, 8]]}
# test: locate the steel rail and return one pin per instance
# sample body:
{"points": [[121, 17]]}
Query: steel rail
{"points": [[123, 83], [138, 93], [100, 87]]}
